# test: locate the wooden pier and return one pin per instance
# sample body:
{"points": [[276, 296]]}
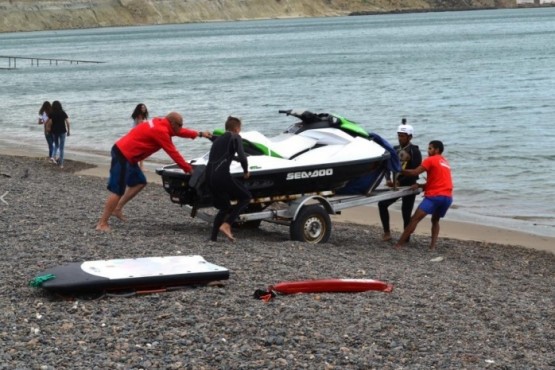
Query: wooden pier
{"points": [[12, 61]]}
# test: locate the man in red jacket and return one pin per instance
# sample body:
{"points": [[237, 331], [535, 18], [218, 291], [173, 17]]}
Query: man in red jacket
{"points": [[438, 192], [126, 177]]}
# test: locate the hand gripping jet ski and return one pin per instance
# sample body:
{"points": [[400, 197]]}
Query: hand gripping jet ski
{"points": [[321, 154]]}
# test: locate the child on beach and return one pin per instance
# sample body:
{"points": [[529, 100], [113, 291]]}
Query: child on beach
{"points": [[140, 114], [438, 192]]}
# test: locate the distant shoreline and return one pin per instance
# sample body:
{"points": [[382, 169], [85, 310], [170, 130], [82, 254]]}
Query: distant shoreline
{"points": [[421, 11], [519, 6]]}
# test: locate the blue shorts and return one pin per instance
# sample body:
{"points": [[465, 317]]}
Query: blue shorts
{"points": [[123, 173], [436, 206]]}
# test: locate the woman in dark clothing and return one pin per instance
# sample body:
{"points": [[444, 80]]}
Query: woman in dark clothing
{"points": [[59, 123], [224, 188], [43, 118]]}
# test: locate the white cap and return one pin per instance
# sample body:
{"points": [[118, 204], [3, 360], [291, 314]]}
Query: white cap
{"points": [[405, 129]]}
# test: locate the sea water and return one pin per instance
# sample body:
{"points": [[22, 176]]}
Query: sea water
{"points": [[483, 82]]}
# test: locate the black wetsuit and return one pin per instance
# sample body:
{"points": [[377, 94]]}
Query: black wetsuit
{"points": [[225, 188], [407, 202]]}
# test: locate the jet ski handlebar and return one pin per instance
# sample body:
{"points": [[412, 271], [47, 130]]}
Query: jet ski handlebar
{"points": [[285, 111], [304, 115]]}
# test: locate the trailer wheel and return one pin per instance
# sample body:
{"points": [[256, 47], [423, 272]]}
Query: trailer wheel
{"points": [[312, 225]]}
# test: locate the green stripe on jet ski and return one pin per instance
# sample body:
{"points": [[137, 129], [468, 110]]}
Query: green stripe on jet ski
{"points": [[260, 147], [351, 126]]}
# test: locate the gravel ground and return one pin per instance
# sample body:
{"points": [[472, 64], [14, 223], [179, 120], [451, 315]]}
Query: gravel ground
{"points": [[482, 306]]}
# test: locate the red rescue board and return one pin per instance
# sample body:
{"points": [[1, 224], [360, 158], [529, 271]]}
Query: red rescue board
{"points": [[331, 286]]}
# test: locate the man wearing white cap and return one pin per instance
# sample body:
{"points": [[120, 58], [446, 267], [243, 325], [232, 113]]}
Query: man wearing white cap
{"points": [[411, 158]]}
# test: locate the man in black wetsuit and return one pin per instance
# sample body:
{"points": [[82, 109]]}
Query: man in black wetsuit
{"points": [[410, 157], [225, 188]]}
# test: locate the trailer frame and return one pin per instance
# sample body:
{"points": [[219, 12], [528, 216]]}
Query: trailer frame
{"points": [[308, 216]]}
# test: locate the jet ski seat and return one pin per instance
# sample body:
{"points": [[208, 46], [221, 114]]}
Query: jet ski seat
{"points": [[284, 146]]}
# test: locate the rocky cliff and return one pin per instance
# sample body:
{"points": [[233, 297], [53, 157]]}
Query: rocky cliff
{"points": [[34, 15]]}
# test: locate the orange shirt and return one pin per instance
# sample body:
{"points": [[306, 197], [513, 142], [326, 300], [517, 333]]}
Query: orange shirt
{"points": [[150, 136], [439, 180]]}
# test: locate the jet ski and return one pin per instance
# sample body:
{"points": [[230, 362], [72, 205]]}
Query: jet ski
{"points": [[321, 153]]}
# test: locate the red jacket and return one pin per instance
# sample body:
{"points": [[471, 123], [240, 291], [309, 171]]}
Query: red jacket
{"points": [[149, 137]]}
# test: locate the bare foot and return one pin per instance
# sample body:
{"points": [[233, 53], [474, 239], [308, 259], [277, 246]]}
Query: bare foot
{"points": [[226, 229], [119, 214], [398, 245], [103, 228], [386, 237]]}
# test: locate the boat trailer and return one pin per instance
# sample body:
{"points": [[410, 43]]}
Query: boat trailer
{"points": [[308, 216]]}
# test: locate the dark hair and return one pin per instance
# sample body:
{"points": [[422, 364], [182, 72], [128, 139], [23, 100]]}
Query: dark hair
{"points": [[232, 123], [46, 107], [403, 121], [436, 144], [57, 107], [137, 112]]}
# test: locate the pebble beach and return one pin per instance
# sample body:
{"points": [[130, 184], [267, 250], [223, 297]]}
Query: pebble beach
{"points": [[466, 305]]}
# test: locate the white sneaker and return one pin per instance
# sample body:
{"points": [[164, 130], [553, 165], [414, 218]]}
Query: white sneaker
{"points": [[53, 160]]}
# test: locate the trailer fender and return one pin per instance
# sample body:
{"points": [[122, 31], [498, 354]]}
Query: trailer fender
{"points": [[296, 205]]}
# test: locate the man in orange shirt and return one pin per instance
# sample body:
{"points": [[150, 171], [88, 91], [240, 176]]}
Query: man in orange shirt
{"points": [[438, 192], [126, 177]]}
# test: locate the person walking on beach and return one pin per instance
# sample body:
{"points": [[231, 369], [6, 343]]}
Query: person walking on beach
{"points": [[411, 158], [43, 118], [438, 192], [126, 179], [223, 187], [139, 115], [59, 123]]}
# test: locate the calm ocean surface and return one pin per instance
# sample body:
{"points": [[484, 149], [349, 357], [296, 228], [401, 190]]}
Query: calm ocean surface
{"points": [[483, 82]]}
